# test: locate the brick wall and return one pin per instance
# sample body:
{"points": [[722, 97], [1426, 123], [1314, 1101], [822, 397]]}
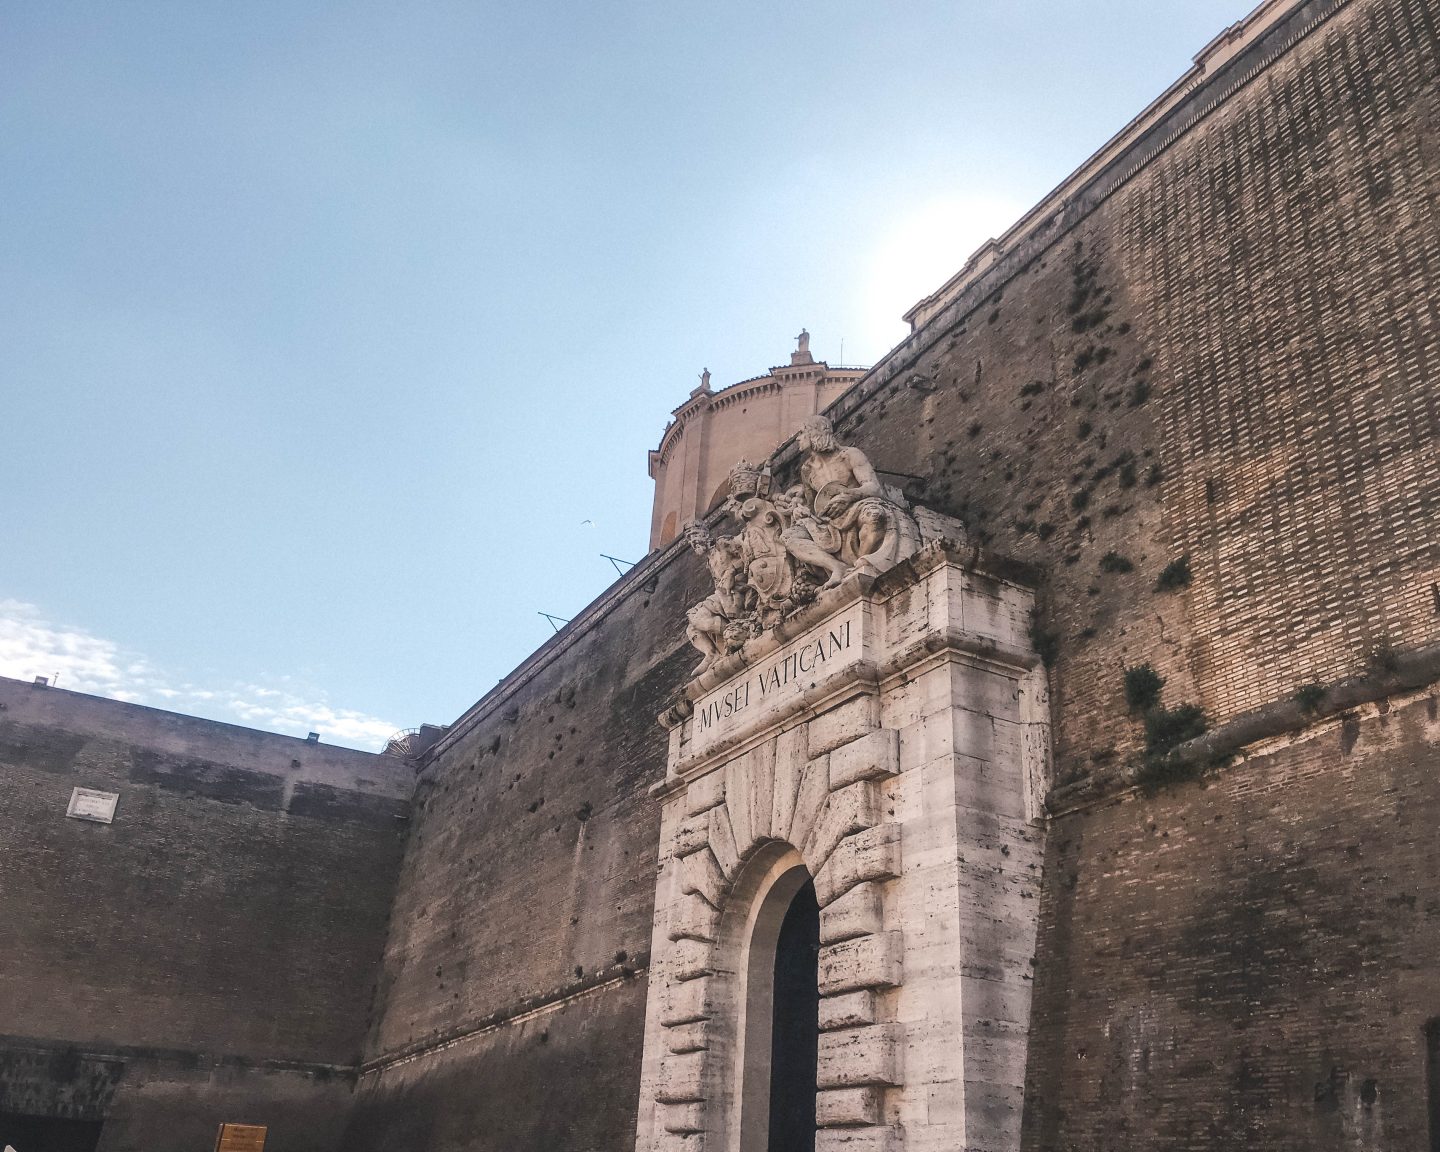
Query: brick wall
{"points": [[528, 881], [1247, 961], [225, 928], [1228, 356], [1222, 348]]}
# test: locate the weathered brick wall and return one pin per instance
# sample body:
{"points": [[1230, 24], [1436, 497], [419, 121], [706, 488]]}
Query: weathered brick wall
{"points": [[227, 925], [1286, 257], [1248, 961], [1232, 358], [564, 1077], [521, 932]]}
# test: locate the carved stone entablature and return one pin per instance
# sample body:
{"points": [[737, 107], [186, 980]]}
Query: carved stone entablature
{"points": [[839, 522]]}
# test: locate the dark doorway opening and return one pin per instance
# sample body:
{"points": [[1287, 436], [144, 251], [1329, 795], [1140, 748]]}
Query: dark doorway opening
{"points": [[47, 1134], [795, 1036]]}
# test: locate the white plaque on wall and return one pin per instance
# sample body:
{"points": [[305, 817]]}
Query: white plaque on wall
{"points": [[92, 804]]}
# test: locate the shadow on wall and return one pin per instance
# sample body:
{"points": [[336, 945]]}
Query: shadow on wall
{"points": [[46, 1134]]}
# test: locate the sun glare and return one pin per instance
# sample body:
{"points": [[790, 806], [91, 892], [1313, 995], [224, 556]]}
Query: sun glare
{"points": [[923, 248]]}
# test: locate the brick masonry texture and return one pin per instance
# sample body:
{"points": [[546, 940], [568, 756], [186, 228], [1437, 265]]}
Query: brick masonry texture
{"points": [[1247, 961], [215, 945], [1232, 358], [529, 880]]}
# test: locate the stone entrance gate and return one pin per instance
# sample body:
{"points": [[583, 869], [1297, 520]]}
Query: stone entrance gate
{"points": [[890, 741]]}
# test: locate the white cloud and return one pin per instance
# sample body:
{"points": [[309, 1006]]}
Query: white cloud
{"points": [[31, 645]]}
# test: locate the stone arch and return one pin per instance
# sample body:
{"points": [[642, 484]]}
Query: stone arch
{"points": [[906, 780], [760, 825], [745, 962], [718, 496]]}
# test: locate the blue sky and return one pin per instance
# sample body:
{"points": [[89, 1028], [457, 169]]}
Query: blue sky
{"points": [[325, 327]]}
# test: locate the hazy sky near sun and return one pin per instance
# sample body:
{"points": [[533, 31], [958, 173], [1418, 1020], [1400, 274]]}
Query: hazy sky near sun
{"points": [[325, 327]]}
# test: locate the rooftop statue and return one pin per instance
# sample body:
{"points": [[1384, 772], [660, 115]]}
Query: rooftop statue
{"points": [[841, 519]]}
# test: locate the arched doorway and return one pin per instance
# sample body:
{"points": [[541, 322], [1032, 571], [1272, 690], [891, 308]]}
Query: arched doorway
{"points": [[795, 1029], [776, 1036]]}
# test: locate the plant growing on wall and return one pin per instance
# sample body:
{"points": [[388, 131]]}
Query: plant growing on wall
{"points": [[1142, 687], [1165, 728], [1174, 575]]}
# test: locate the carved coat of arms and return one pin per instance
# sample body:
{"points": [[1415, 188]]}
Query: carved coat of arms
{"points": [[839, 520]]}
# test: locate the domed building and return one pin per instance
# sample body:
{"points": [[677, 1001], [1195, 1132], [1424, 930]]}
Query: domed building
{"points": [[748, 420]]}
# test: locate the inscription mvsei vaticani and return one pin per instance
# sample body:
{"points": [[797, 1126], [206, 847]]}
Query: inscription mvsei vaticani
{"points": [[772, 679]]}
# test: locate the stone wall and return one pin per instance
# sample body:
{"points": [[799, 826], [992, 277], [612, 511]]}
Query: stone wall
{"points": [[1248, 961], [1218, 357], [520, 939], [1225, 359], [210, 955]]}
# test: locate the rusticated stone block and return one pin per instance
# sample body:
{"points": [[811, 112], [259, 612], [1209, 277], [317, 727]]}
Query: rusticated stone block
{"points": [[810, 799], [791, 755], [693, 919], [865, 962], [873, 756], [852, 809], [700, 875], [705, 793], [873, 854], [860, 912], [844, 723], [848, 1010], [680, 1142], [857, 1056], [690, 959], [688, 1037], [693, 834], [857, 1140], [683, 1118], [848, 1107], [682, 1079], [749, 787], [722, 842], [686, 1003]]}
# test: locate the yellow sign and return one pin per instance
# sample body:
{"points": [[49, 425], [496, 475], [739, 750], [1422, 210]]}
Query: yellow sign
{"points": [[241, 1138]]}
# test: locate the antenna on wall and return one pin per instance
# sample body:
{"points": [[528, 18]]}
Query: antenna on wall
{"points": [[842, 350], [552, 620], [616, 561]]}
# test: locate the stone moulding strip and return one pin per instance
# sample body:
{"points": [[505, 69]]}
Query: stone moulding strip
{"points": [[1417, 669], [527, 1010], [921, 655], [186, 1058]]}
